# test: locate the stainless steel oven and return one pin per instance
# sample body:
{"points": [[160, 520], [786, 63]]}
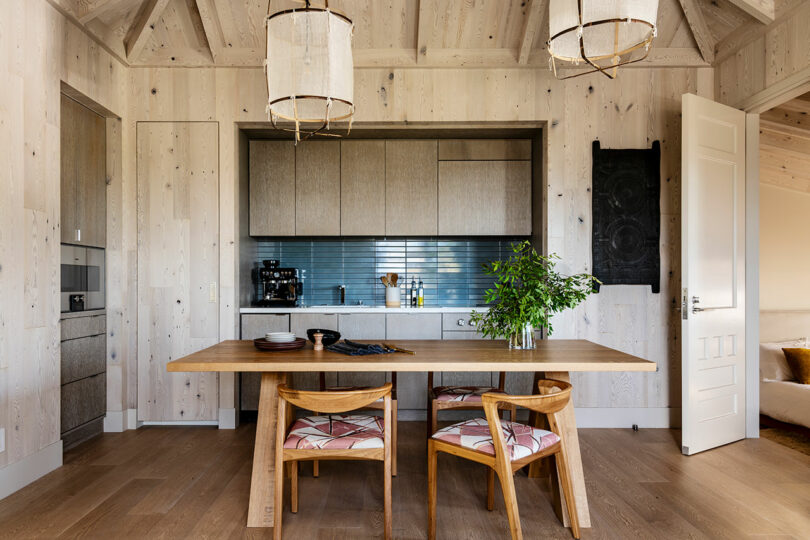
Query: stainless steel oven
{"points": [[83, 278]]}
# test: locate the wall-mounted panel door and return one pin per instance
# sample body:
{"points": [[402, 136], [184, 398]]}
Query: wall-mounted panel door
{"points": [[272, 188], [178, 266], [410, 188], [317, 188], [362, 188]]}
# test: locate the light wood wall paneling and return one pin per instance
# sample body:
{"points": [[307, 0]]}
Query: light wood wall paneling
{"points": [[482, 198], [178, 239], [272, 188], [484, 149], [362, 187], [317, 188], [411, 199]]}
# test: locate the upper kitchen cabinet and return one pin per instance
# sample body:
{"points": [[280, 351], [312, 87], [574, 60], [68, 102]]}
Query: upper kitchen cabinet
{"points": [[411, 202], [272, 188], [317, 188], [485, 188], [362, 187], [83, 175]]}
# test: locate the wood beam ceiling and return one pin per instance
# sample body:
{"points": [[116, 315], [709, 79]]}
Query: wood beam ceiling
{"points": [[531, 27], [700, 30], [138, 35], [87, 10], [212, 27], [424, 22], [762, 10]]}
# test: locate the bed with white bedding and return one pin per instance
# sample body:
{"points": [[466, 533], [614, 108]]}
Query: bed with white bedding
{"points": [[780, 396]]}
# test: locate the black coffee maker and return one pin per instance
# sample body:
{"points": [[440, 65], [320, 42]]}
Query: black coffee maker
{"points": [[276, 287]]}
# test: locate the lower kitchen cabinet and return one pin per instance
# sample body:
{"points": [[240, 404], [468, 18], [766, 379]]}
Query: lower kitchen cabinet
{"points": [[299, 324], [411, 386], [362, 326], [83, 369], [256, 325]]}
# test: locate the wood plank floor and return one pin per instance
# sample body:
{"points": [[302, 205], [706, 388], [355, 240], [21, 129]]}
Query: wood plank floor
{"points": [[176, 482]]}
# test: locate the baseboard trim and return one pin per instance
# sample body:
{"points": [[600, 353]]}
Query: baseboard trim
{"points": [[182, 423], [19, 474], [587, 417], [227, 419], [118, 421]]}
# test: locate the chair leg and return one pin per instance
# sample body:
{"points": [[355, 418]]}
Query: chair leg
{"points": [[429, 418], [393, 437], [490, 489], [294, 487], [432, 489], [387, 515], [315, 469], [434, 418], [510, 499], [568, 492], [278, 499]]}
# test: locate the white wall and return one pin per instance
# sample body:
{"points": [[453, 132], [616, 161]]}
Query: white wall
{"points": [[784, 249]]}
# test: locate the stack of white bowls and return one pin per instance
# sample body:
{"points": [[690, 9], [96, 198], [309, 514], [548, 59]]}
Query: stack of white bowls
{"points": [[280, 337]]}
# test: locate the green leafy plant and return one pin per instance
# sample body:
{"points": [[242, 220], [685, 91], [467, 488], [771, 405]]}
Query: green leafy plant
{"points": [[528, 291]]}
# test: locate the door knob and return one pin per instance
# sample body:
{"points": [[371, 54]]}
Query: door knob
{"points": [[696, 300]]}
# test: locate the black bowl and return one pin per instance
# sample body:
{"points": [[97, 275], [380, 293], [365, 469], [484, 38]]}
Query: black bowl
{"points": [[330, 337]]}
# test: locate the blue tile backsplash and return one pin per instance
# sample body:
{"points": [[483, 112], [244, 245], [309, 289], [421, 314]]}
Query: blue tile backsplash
{"points": [[451, 269]]}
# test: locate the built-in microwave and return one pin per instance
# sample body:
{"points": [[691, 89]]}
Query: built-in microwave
{"points": [[83, 283]]}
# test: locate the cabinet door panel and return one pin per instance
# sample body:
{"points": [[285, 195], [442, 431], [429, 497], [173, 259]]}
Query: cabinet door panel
{"points": [[484, 149], [411, 203], [485, 198], [82, 401], [256, 325], [362, 188], [299, 323], [272, 188], [83, 357], [413, 326], [317, 188]]}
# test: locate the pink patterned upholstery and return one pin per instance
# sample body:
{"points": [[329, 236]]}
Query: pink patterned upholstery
{"points": [[462, 393], [336, 431], [521, 440]]}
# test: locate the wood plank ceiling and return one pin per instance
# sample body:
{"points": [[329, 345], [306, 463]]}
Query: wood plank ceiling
{"points": [[784, 145], [391, 33]]}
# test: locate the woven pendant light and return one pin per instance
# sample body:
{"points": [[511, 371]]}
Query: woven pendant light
{"points": [[310, 71], [602, 34]]}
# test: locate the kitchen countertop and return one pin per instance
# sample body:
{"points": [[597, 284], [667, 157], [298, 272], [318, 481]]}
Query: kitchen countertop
{"points": [[361, 309]]}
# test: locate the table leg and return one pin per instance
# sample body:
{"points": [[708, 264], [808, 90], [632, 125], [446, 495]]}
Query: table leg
{"points": [[260, 508], [568, 426]]}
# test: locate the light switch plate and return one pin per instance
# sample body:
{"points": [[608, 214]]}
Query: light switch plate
{"points": [[2, 440]]}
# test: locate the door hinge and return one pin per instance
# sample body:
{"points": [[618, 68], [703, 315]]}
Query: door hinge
{"points": [[684, 304]]}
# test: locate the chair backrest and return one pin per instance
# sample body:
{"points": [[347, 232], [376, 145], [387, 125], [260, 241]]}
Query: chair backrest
{"points": [[333, 402], [546, 402]]}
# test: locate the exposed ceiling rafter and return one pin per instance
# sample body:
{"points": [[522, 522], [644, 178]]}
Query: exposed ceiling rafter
{"points": [[762, 10], [700, 30], [423, 24], [531, 27], [212, 27], [138, 35]]}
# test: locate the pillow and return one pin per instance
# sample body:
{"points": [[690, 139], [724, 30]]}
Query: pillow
{"points": [[799, 362], [772, 362]]}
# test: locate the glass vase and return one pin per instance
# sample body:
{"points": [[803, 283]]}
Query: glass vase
{"points": [[523, 339]]}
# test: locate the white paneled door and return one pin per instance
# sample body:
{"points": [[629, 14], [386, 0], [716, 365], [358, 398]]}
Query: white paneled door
{"points": [[713, 274]]}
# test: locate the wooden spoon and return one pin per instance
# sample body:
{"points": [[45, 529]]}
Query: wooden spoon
{"points": [[384, 281], [395, 278]]}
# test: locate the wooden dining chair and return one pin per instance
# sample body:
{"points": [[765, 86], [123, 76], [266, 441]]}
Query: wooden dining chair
{"points": [[460, 398], [333, 436], [505, 447], [377, 405]]}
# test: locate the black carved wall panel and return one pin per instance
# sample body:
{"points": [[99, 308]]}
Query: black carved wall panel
{"points": [[627, 216]]}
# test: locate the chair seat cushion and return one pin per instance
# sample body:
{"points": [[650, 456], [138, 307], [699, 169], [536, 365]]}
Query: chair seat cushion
{"points": [[521, 440], [462, 393], [336, 432]]}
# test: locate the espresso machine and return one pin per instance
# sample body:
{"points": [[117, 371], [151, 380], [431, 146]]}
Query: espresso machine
{"points": [[276, 287]]}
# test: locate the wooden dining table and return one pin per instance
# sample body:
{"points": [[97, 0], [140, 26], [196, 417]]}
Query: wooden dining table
{"points": [[553, 359]]}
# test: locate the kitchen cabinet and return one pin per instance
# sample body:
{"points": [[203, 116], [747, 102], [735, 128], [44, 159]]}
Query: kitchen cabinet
{"points": [[484, 149], [411, 203], [412, 387], [362, 326], [485, 198], [362, 187], [272, 188], [459, 326], [83, 179], [299, 324], [83, 367], [317, 188], [253, 326]]}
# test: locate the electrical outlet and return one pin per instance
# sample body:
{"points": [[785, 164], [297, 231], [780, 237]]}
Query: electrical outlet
{"points": [[212, 292], [2, 440]]}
